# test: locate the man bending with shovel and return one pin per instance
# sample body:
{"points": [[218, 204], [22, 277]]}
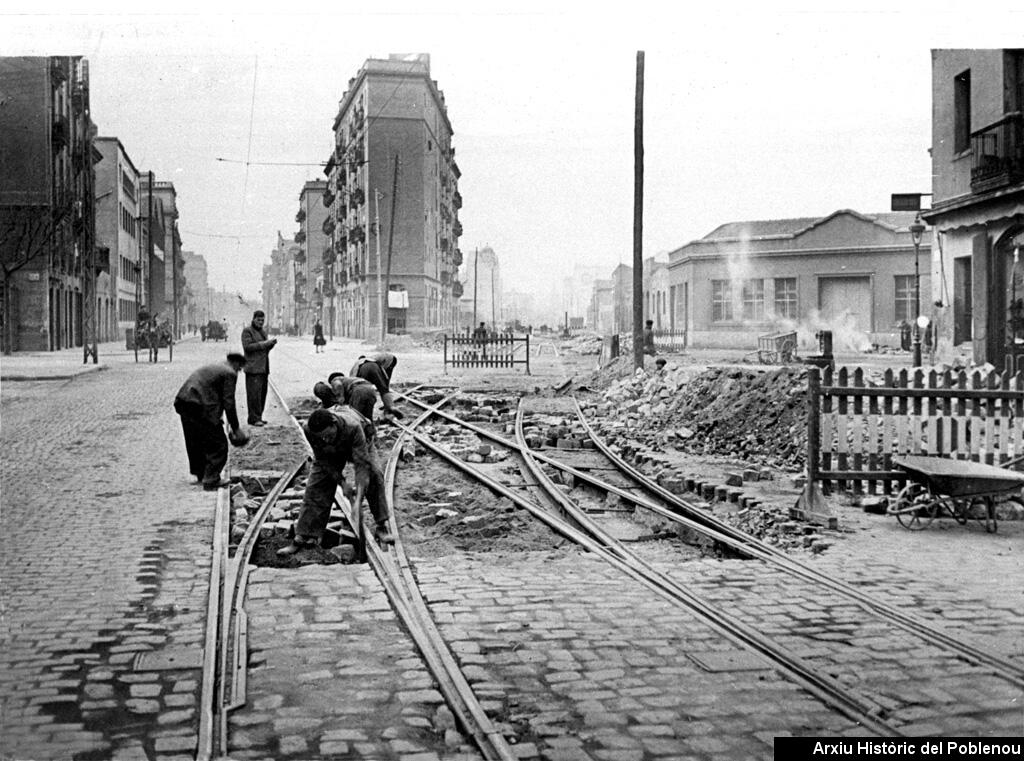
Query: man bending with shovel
{"points": [[338, 436]]}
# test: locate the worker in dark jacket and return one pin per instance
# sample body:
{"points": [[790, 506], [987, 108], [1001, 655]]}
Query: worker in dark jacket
{"points": [[355, 392], [377, 370], [257, 348], [206, 395], [338, 437]]}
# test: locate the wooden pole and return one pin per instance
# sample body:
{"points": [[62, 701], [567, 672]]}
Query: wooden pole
{"points": [[638, 215], [391, 235]]}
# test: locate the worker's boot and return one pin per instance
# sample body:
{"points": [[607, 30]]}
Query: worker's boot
{"points": [[292, 548], [382, 534]]}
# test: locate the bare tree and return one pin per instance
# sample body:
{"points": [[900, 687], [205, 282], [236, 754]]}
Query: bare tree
{"points": [[26, 234]]}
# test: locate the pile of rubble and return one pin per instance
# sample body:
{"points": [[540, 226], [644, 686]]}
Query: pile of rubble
{"points": [[750, 414]]}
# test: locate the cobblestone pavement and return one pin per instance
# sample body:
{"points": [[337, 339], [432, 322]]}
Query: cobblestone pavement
{"points": [[105, 561]]}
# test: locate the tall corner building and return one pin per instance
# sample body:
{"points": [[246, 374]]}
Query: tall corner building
{"points": [[393, 201]]}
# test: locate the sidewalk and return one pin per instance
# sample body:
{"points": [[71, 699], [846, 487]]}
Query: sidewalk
{"points": [[105, 550], [67, 363]]}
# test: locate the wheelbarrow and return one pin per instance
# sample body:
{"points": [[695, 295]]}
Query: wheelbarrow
{"points": [[960, 489]]}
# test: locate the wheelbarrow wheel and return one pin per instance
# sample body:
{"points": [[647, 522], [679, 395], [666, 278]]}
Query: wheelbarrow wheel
{"points": [[915, 508]]}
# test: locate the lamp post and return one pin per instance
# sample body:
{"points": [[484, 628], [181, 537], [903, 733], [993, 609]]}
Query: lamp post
{"points": [[916, 232]]}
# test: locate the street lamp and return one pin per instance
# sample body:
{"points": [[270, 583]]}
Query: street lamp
{"points": [[916, 233]]}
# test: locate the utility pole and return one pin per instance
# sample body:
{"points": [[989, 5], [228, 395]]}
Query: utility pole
{"points": [[149, 241], [638, 215], [380, 282], [494, 321], [174, 276]]}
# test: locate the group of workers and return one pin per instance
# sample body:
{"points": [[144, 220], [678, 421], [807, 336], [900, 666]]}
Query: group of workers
{"points": [[339, 432]]}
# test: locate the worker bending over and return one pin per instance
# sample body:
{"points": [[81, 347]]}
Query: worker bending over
{"points": [[338, 436], [377, 370]]}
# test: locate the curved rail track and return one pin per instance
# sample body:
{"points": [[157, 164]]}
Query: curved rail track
{"points": [[798, 650]]}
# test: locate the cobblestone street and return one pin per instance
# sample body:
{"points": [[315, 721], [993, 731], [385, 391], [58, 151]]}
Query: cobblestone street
{"points": [[106, 554]]}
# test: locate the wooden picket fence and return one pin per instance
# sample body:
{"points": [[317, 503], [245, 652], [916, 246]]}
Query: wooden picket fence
{"points": [[501, 350], [854, 430]]}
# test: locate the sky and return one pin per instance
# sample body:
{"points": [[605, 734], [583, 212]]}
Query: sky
{"points": [[751, 111]]}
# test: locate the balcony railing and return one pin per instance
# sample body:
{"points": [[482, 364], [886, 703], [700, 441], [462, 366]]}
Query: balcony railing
{"points": [[457, 200], [457, 257], [358, 197], [328, 198], [300, 236], [301, 216], [457, 229], [997, 154], [328, 226]]}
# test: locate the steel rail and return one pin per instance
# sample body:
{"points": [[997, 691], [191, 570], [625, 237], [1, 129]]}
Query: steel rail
{"points": [[234, 626], [451, 681], [458, 692], [204, 747], [753, 547], [826, 689], [1001, 667]]}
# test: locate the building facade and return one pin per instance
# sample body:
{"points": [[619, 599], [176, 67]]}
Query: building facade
{"points": [[47, 222], [313, 261], [167, 293], [657, 290], [198, 304], [850, 273], [279, 287], [978, 204], [481, 296], [119, 235], [393, 202]]}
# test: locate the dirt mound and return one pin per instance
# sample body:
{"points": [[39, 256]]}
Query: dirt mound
{"points": [[753, 414]]}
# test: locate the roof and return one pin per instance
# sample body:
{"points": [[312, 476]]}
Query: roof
{"points": [[790, 228]]}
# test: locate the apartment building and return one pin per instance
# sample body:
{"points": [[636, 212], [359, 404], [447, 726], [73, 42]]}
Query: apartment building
{"points": [[47, 223], [197, 288], [978, 204], [313, 261], [393, 202], [167, 281], [119, 236], [279, 288]]}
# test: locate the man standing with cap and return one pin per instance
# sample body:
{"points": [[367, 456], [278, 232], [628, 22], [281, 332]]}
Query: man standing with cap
{"points": [[257, 348], [206, 395]]}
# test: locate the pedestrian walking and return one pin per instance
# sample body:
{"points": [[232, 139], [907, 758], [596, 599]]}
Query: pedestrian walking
{"points": [[378, 370], [257, 348], [649, 338], [318, 337], [338, 437], [206, 396]]}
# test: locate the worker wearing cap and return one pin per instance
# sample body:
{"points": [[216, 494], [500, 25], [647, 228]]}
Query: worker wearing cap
{"points": [[355, 392], [377, 370], [338, 437], [206, 396]]}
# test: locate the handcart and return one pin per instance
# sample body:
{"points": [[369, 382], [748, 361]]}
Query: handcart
{"points": [[961, 489], [776, 348]]}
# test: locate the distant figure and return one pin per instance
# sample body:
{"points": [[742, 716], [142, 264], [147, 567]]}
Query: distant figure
{"points": [[203, 398], [659, 364], [480, 334], [257, 348], [318, 337], [202, 331], [649, 338]]}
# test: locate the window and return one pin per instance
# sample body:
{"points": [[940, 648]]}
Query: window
{"points": [[785, 297], [721, 301], [753, 299], [962, 112], [906, 300]]}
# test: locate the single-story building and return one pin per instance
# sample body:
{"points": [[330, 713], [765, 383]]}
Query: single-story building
{"points": [[854, 274]]}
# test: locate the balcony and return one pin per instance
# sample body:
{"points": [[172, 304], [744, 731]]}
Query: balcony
{"points": [[301, 216], [328, 256], [328, 226], [456, 289], [997, 154], [358, 197], [457, 229], [357, 235], [328, 198], [457, 257], [300, 236], [300, 256], [457, 200]]}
